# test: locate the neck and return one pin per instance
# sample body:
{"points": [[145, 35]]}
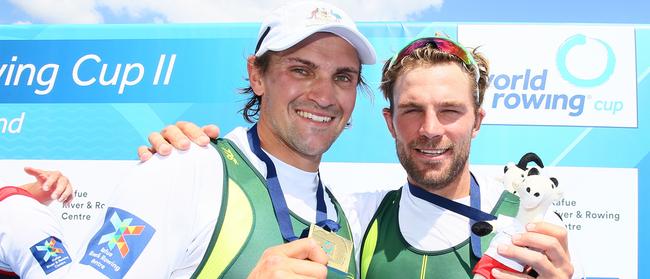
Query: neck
{"points": [[280, 149], [456, 189]]}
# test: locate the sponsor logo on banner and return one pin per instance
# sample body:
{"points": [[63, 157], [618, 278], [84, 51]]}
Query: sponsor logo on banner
{"points": [[118, 243], [558, 75], [50, 254]]}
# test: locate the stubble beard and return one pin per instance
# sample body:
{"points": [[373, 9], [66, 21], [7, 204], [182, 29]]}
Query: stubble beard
{"points": [[307, 143], [295, 139], [424, 175]]}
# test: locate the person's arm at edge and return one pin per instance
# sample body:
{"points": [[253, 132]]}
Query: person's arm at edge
{"points": [[49, 186], [177, 136]]}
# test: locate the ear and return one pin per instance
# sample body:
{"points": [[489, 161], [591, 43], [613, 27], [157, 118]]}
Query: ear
{"points": [[557, 192], [388, 117], [477, 122], [254, 76], [530, 157]]}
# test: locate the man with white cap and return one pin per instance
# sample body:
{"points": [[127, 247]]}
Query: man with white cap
{"points": [[213, 211]]}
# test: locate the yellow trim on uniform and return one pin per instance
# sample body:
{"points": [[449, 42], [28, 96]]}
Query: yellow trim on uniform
{"points": [[370, 243], [237, 224], [423, 271]]}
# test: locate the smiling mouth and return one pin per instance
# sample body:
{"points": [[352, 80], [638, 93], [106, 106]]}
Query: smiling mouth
{"points": [[313, 117], [431, 152]]}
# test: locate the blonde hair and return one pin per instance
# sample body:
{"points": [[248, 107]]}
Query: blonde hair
{"points": [[429, 56]]}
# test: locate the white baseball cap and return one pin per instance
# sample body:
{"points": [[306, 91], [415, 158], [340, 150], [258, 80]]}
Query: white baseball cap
{"points": [[292, 23]]}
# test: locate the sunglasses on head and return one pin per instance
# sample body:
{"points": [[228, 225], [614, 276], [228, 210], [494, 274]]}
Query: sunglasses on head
{"points": [[443, 44]]}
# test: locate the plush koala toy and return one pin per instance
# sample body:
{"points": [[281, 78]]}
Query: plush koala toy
{"points": [[513, 174], [536, 193]]}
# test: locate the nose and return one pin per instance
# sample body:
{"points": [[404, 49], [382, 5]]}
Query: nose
{"points": [[322, 92], [431, 126]]}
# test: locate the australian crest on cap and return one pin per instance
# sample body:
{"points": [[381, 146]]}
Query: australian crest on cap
{"points": [[323, 16]]}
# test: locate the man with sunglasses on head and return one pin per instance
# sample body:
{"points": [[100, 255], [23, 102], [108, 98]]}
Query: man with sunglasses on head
{"points": [[435, 88]]}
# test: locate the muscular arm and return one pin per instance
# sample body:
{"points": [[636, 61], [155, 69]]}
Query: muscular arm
{"points": [[167, 203]]}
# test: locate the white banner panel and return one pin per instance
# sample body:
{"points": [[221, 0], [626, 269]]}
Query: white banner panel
{"points": [[558, 75]]}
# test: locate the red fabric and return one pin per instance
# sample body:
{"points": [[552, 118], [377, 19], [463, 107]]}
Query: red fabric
{"points": [[486, 264], [7, 274], [9, 191]]}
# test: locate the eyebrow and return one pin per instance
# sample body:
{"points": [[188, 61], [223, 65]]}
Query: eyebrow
{"points": [[408, 105], [451, 104], [312, 65], [411, 104], [303, 61], [348, 70]]}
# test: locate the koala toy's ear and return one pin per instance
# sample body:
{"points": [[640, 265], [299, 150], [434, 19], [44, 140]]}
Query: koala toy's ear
{"points": [[558, 191], [530, 157]]}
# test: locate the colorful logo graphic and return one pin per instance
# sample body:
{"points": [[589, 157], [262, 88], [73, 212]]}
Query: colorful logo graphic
{"points": [[121, 230], [116, 238], [577, 40], [50, 254], [49, 248], [324, 15]]}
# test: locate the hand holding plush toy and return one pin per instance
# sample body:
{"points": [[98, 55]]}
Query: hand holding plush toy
{"points": [[536, 193]]}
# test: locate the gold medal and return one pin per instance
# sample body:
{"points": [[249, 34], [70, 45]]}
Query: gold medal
{"points": [[337, 248]]}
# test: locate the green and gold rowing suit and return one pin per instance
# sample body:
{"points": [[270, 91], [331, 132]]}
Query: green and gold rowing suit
{"points": [[386, 254], [247, 224]]}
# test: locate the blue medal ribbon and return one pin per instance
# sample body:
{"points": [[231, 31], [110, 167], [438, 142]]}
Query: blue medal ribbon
{"points": [[277, 197], [473, 212]]}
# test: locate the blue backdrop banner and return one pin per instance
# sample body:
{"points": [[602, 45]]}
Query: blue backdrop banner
{"points": [[574, 94]]}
